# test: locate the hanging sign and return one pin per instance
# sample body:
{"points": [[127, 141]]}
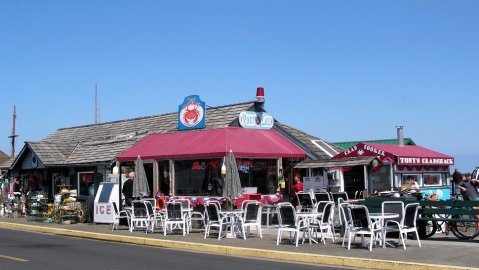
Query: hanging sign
{"points": [[256, 120], [191, 113]]}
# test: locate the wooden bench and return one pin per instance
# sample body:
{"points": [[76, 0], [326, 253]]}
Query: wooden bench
{"points": [[449, 210]]}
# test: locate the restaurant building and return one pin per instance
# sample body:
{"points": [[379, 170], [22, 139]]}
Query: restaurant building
{"points": [[394, 165], [182, 151]]}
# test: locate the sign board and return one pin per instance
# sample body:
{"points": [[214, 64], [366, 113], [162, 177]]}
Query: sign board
{"points": [[256, 120], [425, 161], [442, 193], [103, 211], [191, 113]]}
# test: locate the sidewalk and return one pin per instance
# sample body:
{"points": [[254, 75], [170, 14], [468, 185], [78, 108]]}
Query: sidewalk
{"points": [[434, 254]]}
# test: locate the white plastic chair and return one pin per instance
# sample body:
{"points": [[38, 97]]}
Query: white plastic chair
{"points": [[408, 223], [174, 218], [361, 225], [186, 210], [214, 219], [287, 222], [306, 201], [118, 215], [251, 218], [139, 217], [391, 225], [325, 224]]}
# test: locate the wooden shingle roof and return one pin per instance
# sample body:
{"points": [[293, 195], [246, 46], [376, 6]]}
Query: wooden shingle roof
{"points": [[309, 143], [52, 152], [103, 142]]}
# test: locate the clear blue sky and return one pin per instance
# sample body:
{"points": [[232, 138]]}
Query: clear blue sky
{"points": [[339, 70]]}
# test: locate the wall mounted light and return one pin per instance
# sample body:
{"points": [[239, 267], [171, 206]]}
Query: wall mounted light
{"points": [[115, 170], [223, 168]]}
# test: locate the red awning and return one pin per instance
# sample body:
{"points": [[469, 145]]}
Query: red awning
{"points": [[402, 155], [247, 143]]}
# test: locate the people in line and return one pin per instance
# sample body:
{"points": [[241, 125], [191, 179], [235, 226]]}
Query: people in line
{"points": [[127, 189], [468, 188]]}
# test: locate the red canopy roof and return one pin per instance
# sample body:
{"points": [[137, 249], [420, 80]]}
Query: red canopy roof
{"points": [[251, 143], [402, 155]]}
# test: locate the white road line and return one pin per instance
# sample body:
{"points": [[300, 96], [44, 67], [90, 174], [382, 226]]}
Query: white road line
{"points": [[13, 258]]}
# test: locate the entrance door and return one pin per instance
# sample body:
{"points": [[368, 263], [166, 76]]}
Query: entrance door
{"points": [[354, 180]]}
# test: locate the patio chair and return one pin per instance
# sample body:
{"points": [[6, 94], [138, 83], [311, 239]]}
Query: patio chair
{"points": [[408, 223], [245, 202], [322, 196], [151, 222], [345, 219], [198, 214], [174, 218], [325, 224], [391, 225], [139, 217], [251, 218], [306, 201], [361, 225], [319, 206], [214, 219], [287, 222], [339, 197], [119, 215], [186, 210]]}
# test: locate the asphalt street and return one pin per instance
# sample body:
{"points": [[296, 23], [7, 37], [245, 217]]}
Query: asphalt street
{"points": [[37, 251]]}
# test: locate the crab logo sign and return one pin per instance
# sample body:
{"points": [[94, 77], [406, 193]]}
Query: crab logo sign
{"points": [[191, 113]]}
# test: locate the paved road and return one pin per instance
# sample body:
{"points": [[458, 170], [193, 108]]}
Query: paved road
{"points": [[34, 251]]}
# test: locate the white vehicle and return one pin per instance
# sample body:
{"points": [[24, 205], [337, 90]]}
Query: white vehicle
{"points": [[475, 173]]}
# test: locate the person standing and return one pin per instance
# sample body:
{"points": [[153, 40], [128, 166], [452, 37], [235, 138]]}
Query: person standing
{"points": [[127, 189], [297, 187], [17, 188], [468, 188], [456, 179]]}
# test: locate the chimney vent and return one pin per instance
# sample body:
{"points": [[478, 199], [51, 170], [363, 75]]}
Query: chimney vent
{"points": [[400, 135]]}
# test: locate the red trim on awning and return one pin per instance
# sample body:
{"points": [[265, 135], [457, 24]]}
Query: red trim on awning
{"points": [[247, 143]]}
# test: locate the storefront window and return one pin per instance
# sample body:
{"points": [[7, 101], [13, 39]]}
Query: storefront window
{"points": [[198, 177], [258, 173], [416, 177], [86, 183], [380, 179], [432, 179]]}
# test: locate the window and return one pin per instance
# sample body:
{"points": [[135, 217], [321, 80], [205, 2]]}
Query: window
{"points": [[198, 177], [432, 179], [86, 182], [415, 177]]}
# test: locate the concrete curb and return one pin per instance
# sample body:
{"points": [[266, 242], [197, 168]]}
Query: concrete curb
{"points": [[236, 251]]}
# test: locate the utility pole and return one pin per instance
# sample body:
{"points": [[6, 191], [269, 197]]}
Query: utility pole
{"points": [[96, 105], [13, 136]]}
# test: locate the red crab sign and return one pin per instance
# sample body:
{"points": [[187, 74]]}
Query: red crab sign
{"points": [[191, 113]]}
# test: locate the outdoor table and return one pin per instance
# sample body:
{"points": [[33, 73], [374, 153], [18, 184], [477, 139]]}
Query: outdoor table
{"points": [[233, 216], [380, 218], [308, 217]]}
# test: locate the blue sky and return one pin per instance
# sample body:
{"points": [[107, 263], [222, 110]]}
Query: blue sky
{"points": [[339, 70]]}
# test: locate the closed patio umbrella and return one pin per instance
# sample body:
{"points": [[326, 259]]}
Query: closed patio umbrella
{"points": [[232, 184], [140, 184]]}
